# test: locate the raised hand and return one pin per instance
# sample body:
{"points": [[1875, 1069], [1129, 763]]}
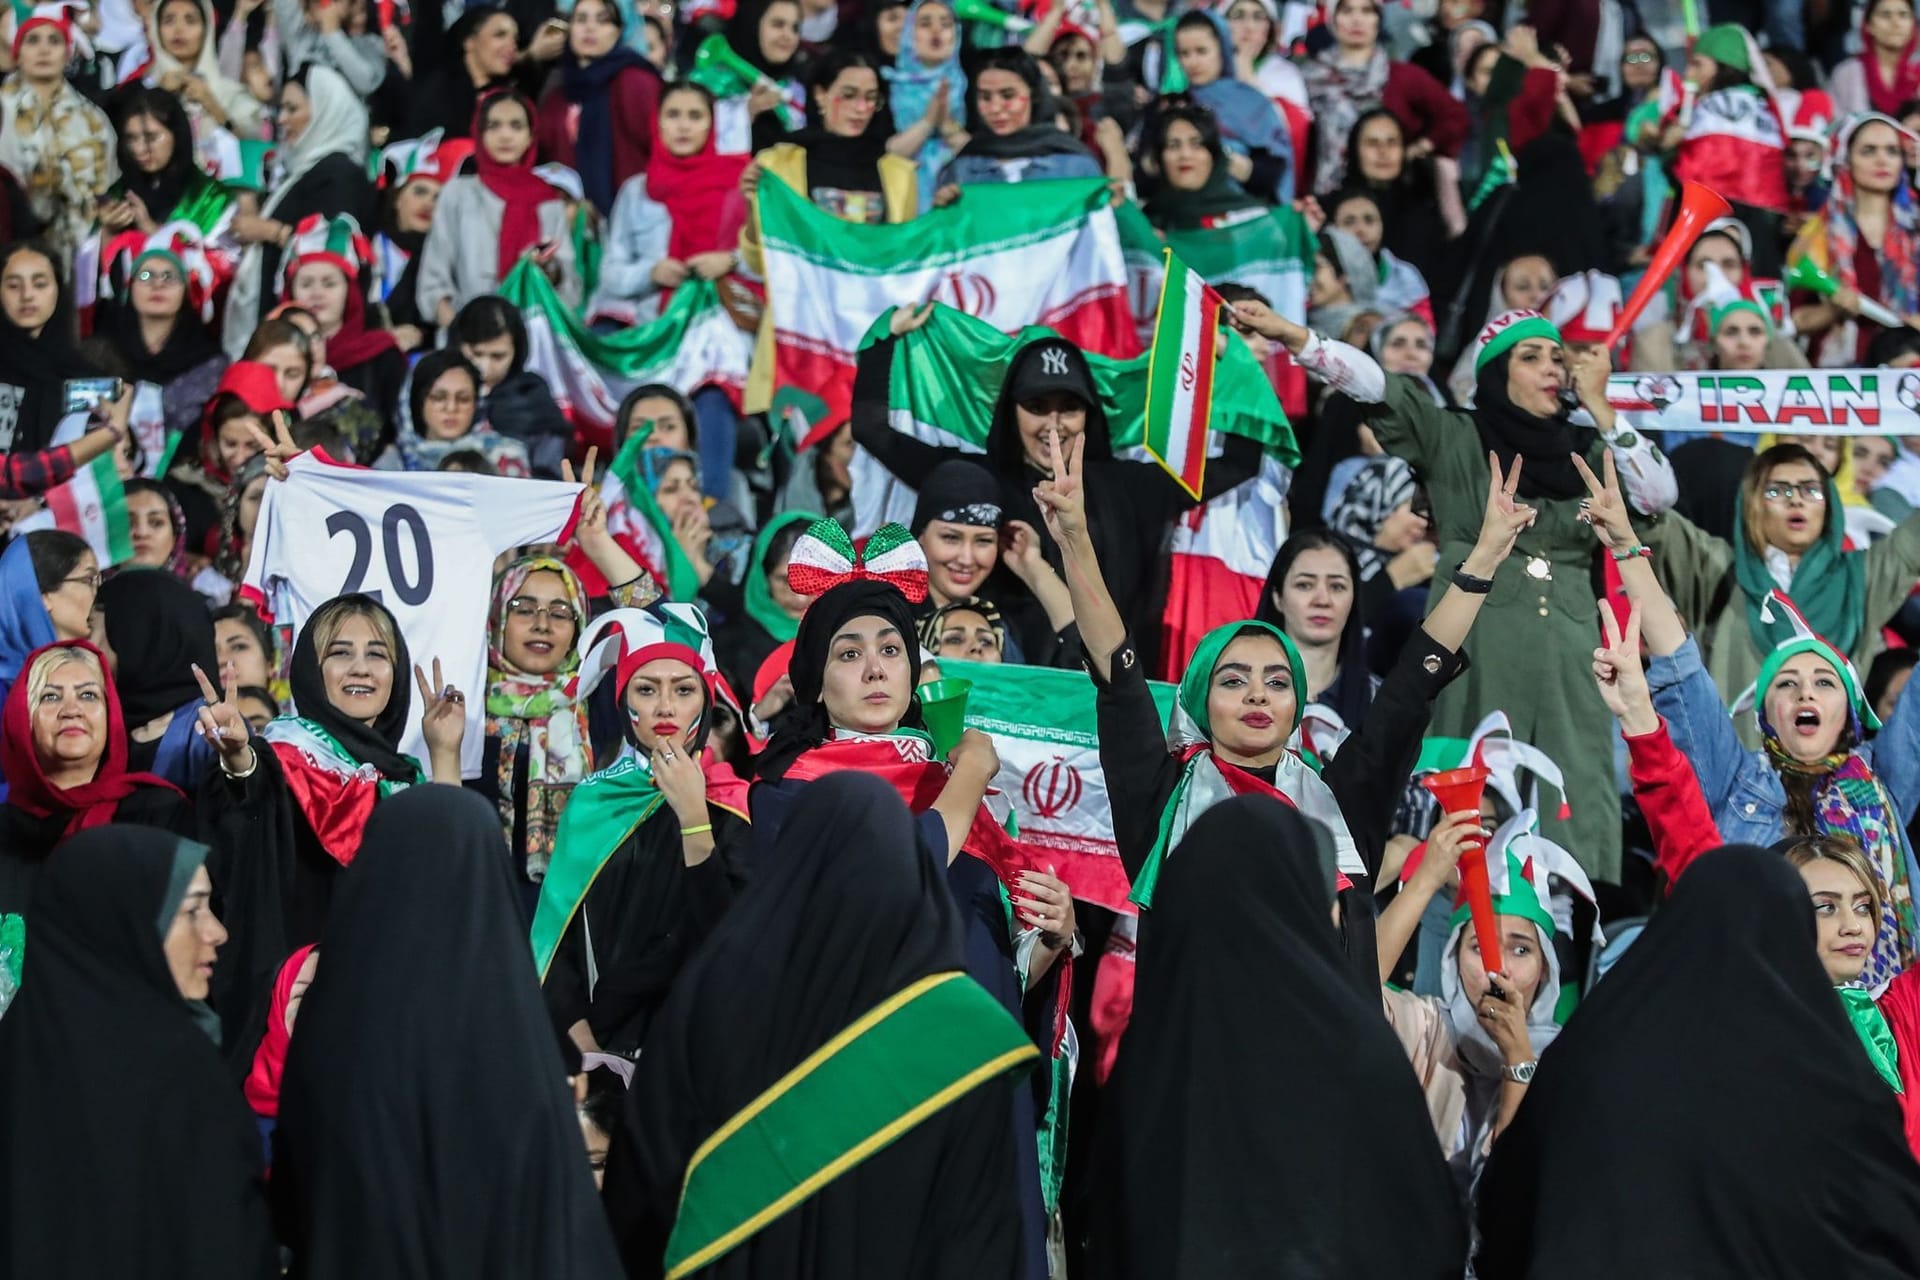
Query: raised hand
{"points": [[222, 725], [1020, 549], [1506, 516], [1046, 904], [1062, 497], [443, 722], [278, 450], [1604, 509], [677, 772], [906, 319], [1617, 670]]}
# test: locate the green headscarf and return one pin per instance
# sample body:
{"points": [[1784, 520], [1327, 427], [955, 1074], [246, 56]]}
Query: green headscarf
{"points": [[1829, 585], [1206, 656], [1849, 679], [761, 607], [1727, 45]]}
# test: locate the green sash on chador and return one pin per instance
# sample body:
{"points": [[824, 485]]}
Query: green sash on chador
{"points": [[602, 812], [915, 1052]]}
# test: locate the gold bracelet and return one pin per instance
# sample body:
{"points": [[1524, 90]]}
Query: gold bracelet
{"points": [[696, 831]]}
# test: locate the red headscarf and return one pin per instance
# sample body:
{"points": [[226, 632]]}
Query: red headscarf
{"points": [[355, 344], [1886, 98], [270, 1059], [701, 193], [516, 184], [91, 804]]}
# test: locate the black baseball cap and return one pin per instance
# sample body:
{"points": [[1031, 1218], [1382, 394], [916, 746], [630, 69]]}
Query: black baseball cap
{"points": [[1050, 365]]}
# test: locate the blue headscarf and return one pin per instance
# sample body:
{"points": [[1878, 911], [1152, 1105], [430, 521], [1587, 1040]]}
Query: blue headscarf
{"points": [[1246, 116], [24, 624], [911, 86]]}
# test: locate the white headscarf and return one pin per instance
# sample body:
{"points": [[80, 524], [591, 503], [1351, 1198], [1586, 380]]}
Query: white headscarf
{"points": [[241, 107], [338, 126]]}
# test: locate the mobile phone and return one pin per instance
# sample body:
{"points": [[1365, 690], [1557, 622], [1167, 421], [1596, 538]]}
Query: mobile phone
{"points": [[87, 394], [558, 24]]}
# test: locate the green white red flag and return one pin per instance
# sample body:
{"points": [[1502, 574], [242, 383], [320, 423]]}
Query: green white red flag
{"points": [[1186, 342], [92, 504]]}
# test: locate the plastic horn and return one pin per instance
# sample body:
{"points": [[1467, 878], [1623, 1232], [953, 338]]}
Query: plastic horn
{"points": [[984, 12], [1458, 790], [1806, 274], [1698, 207], [716, 54], [944, 705]]}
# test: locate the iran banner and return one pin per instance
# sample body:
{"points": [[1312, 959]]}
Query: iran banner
{"points": [[92, 504], [1186, 340], [947, 373], [1031, 253], [693, 344], [1828, 402], [1042, 724]]}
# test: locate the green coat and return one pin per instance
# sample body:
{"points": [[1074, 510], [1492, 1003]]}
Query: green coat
{"points": [[1696, 568], [1533, 643]]}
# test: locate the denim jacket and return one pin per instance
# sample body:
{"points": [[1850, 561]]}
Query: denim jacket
{"points": [[1740, 786]]}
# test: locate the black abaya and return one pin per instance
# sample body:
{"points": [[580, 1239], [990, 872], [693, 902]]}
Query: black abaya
{"points": [[849, 914], [1262, 1119], [425, 1127], [1707, 1111], [125, 1149]]}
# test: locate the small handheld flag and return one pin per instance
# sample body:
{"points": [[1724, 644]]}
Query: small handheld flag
{"points": [[1186, 341]]}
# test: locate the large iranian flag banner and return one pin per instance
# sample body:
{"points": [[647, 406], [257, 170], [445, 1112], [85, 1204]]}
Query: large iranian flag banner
{"points": [[947, 373], [1042, 724], [1030, 253], [693, 344]]}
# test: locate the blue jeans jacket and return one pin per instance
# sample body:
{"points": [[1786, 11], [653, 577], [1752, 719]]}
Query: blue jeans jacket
{"points": [[1740, 786]]}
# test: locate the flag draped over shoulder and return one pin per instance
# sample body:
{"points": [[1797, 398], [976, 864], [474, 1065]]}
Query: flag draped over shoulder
{"points": [[947, 374], [693, 344], [1032, 253]]}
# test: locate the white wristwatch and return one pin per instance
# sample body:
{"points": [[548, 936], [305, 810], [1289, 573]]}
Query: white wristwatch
{"points": [[1521, 1072]]}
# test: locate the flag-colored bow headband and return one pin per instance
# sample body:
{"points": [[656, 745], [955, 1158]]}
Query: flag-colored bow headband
{"points": [[824, 557]]}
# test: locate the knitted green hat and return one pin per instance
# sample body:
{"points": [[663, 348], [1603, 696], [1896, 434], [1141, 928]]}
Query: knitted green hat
{"points": [[1510, 328], [1728, 45], [1717, 314]]}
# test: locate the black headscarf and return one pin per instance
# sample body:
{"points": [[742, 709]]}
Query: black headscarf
{"points": [[1262, 1119], [1041, 137], [850, 913], [1708, 1111], [188, 344], [159, 192], [38, 368], [960, 492], [124, 1147], [378, 744], [1546, 443], [743, 34], [425, 1124], [1352, 689], [804, 725], [159, 628]]}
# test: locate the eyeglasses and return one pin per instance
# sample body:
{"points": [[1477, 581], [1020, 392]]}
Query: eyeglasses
{"points": [[90, 580], [559, 613], [1640, 57], [148, 275], [1813, 492]]}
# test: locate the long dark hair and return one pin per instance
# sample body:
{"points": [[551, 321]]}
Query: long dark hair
{"points": [[1356, 686], [1180, 109], [487, 317], [166, 109]]}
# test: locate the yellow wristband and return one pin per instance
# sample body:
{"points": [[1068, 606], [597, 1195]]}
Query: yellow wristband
{"points": [[702, 829]]}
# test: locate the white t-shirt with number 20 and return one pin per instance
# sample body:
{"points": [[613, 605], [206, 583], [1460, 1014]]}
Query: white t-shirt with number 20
{"points": [[421, 542]]}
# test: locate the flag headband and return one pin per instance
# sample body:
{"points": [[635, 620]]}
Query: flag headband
{"points": [[825, 556]]}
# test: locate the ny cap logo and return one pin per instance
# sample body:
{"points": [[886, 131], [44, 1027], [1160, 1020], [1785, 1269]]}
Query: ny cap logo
{"points": [[1053, 361]]}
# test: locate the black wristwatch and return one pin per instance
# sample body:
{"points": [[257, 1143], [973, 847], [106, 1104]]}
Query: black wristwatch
{"points": [[1468, 583]]}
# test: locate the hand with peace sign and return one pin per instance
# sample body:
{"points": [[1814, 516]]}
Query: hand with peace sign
{"points": [[443, 723], [590, 531], [1616, 669], [222, 725], [1505, 519], [1062, 496], [1604, 509], [278, 450]]}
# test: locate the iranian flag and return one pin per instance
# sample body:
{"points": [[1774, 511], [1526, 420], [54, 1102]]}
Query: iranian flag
{"points": [[1031, 253], [93, 505], [1186, 340], [946, 373], [638, 524], [695, 343], [1735, 144], [1042, 724]]}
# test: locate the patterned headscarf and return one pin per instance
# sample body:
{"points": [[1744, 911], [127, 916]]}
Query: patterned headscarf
{"points": [[1373, 494], [542, 711]]}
